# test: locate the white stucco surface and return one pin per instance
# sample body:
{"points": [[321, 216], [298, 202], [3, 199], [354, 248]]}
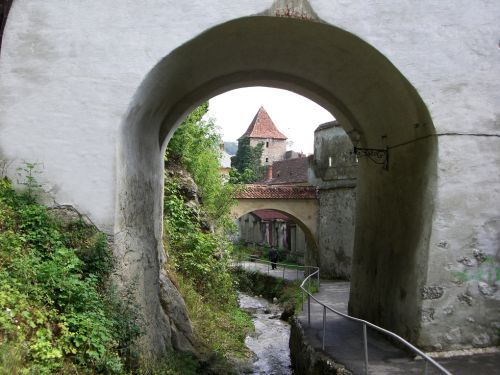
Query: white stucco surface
{"points": [[81, 62], [71, 99]]}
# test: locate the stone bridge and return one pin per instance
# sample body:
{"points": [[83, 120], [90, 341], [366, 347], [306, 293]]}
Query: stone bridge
{"points": [[300, 203]]}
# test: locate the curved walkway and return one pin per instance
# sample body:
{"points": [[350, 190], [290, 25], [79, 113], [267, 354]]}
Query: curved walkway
{"points": [[344, 344]]}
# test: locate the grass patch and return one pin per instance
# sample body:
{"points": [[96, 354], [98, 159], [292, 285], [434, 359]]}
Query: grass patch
{"points": [[172, 363], [220, 328]]}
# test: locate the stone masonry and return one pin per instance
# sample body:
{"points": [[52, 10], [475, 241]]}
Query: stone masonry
{"points": [[334, 171]]}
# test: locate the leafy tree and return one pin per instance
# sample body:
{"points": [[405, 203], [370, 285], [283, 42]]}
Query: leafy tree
{"points": [[247, 162], [196, 146]]}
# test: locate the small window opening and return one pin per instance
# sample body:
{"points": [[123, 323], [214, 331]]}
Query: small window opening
{"points": [[267, 160], [329, 161], [267, 144]]}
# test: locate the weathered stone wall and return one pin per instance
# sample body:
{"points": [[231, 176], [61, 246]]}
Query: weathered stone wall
{"points": [[334, 170], [299, 244], [274, 152], [336, 232], [461, 297]]}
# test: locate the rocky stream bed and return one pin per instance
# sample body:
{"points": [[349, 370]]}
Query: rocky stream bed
{"points": [[270, 341]]}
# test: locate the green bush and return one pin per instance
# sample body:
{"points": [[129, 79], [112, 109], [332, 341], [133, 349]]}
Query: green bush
{"points": [[55, 311], [196, 145], [203, 257]]}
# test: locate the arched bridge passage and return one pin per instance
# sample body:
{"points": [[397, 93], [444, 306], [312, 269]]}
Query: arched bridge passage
{"points": [[300, 203], [365, 92]]}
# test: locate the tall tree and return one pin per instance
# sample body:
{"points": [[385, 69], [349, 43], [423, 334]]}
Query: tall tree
{"points": [[247, 162], [196, 145]]}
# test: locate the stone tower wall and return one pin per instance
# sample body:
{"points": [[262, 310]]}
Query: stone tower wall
{"points": [[275, 151], [333, 169]]}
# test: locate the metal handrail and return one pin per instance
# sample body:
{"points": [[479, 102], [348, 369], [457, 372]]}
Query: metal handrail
{"points": [[427, 359], [315, 270]]}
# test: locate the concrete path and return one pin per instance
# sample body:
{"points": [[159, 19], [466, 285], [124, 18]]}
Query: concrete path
{"points": [[344, 339], [344, 342]]}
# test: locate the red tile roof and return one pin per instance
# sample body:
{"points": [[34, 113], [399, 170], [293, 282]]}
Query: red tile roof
{"points": [[263, 127], [270, 215], [277, 192]]}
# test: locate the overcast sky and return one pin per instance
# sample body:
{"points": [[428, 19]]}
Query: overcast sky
{"points": [[294, 115]]}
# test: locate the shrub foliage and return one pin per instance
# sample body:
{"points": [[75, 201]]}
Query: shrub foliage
{"points": [[56, 313], [246, 164]]}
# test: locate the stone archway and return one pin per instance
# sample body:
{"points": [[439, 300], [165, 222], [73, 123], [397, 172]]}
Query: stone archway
{"points": [[67, 76], [303, 212], [64, 93], [298, 202], [365, 92], [305, 250]]}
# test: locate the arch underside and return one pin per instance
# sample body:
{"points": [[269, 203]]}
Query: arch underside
{"points": [[303, 212], [371, 99]]}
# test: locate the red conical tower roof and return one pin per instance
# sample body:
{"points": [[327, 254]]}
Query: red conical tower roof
{"points": [[263, 127]]}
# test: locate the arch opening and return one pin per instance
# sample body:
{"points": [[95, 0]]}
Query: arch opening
{"points": [[268, 227], [370, 98]]}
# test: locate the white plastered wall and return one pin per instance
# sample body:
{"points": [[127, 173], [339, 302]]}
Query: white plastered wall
{"points": [[69, 70]]}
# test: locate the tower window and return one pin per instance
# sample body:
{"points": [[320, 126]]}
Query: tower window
{"points": [[267, 144], [267, 160], [329, 161]]}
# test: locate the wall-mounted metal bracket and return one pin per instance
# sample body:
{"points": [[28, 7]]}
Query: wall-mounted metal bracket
{"points": [[377, 156]]}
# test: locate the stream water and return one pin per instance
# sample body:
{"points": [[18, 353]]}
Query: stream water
{"points": [[269, 342]]}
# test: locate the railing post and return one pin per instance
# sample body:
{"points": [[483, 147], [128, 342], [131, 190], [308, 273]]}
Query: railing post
{"points": [[297, 273], [302, 300], [308, 309], [365, 342], [268, 268], [324, 326], [283, 272], [318, 280], [425, 366]]}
